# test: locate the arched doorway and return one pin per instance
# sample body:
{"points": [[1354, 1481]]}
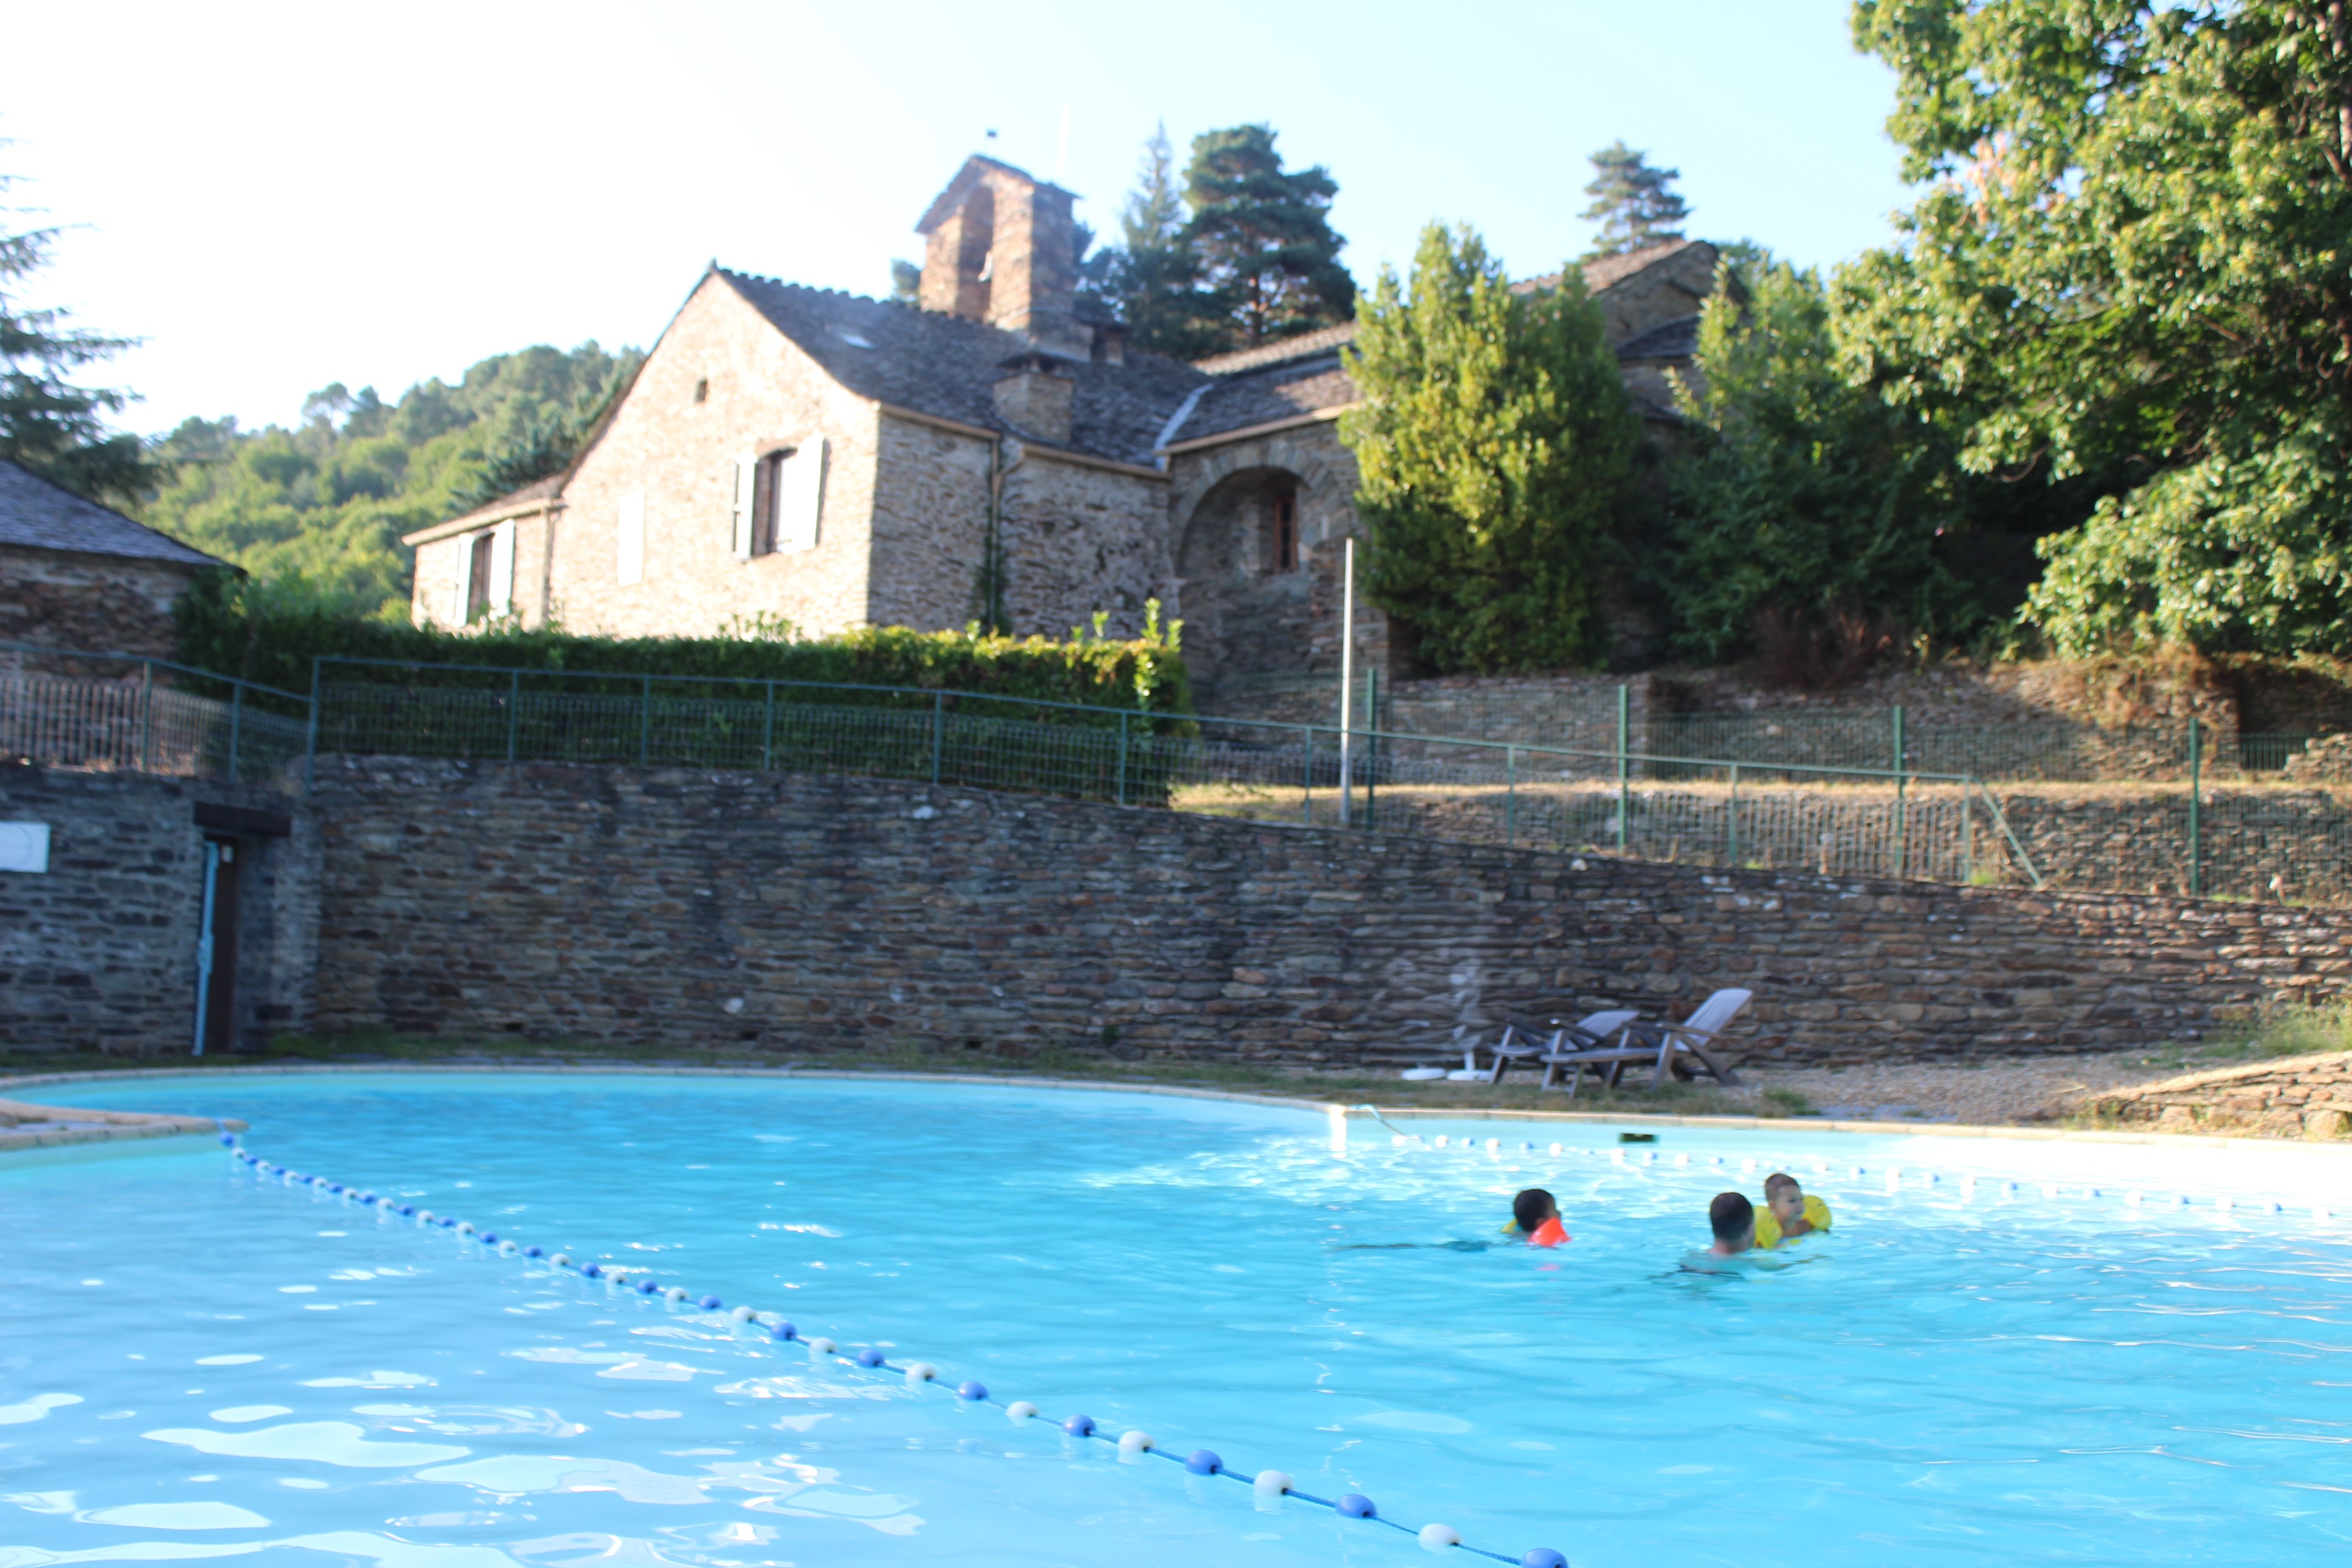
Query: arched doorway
{"points": [[1244, 590]]}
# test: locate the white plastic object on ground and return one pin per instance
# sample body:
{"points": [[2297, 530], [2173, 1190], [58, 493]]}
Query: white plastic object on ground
{"points": [[1019, 1410], [1135, 1441], [921, 1373], [1420, 1075], [1438, 1537], [1270, 1483]]}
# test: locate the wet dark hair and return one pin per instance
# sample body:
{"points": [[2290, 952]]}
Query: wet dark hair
{"points": [[1777, 1180], [1531, 1208], [1731, 1215]]}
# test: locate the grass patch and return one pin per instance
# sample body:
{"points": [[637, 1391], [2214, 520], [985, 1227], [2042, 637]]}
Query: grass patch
{"points": [[2282, 1032], [1788, 1103]]}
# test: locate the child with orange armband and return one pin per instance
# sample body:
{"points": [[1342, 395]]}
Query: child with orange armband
{"points": [[1534, 1215]]}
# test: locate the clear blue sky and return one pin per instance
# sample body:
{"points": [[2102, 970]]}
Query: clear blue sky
{"points": [[275, 197]]}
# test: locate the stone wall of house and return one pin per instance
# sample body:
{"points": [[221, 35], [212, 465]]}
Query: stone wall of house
{"points": [[721, 383], [2297, 1097], [100, 952], [101, 604], [671, 908]]}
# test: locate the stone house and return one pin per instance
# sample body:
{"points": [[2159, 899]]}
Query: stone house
{"points": [[76, 574], [995, 452]]}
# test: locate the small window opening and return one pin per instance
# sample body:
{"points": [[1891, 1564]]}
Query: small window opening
{"points": [[702, 390], [1283, 546], [764, 493], [477, 581]]}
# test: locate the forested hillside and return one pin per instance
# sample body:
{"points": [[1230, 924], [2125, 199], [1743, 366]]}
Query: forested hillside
{"points": [[317, 511]]}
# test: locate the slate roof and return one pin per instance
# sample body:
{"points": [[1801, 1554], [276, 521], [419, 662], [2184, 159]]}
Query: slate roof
{"points": [[1668, 340], [946, 366], [1324, 340], [1283, 390], [1607, 272], [35, 513]]}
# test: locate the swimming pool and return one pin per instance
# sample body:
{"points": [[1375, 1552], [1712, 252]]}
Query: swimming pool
{"points": [[1956, 1374]]}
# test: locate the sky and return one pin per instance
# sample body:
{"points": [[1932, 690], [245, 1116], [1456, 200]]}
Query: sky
{"points": [[275, 197]]}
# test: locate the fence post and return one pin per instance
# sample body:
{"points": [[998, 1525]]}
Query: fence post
{"points": [[1901, 778], [235, 722], [1122, 756], [1735, 816], [1372, 745], [514, 709], [768, 732], [938, 727], [310, 748], [146, 711], [1510, 796], [1624, 790], [645, 725], [2196, 827]]}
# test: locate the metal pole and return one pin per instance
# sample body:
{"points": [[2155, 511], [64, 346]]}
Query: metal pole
{"points": [[1372, 745], [645, 725], [1510, 796], [146, 711], [310, 752], [235, 722], [768, 732], [938, 725], [1624, 790], [204, 942], [1900, 779], [1735, 816], [1122, 757], [1347, 666], [514, 709], [1306, 782], [2196, 827]]}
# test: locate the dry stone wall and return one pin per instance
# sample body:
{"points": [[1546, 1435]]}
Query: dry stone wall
{"points": [[680, 909], [2306, 1097]]}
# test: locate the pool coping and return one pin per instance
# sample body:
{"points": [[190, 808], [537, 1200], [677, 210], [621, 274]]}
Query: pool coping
{"points": [[138, 1124]]}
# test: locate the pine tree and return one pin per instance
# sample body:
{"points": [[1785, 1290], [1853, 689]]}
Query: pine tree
{"points": [[1150, 280], [47, 423], [1261, 238], [1636, 204]]}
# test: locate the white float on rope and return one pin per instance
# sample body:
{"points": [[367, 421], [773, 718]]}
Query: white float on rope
{"points": [[1019, 1410], [1134, 1442]]}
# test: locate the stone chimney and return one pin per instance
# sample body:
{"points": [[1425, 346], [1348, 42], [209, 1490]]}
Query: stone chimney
{"points": [[1034, 397], [1001, 248]]}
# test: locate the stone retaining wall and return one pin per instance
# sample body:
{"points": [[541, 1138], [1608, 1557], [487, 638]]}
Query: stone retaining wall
{"points": [[2306, 1097], [672, 908]]}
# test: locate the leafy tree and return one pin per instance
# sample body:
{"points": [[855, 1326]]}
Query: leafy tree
{"points": [[2132, 262], [1262, 239], [1636, 204], [906, 282], [1799, 498], [48, 423], [316, 513], [1497, 446]]}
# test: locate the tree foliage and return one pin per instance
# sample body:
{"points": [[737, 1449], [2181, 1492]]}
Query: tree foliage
{"points": [[2133, 260], [48, 423], [1497, 446], [317, 511], [1636, 204]]}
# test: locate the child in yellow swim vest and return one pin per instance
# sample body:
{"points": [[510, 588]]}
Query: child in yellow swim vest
{"points": [[1788, 1212]]}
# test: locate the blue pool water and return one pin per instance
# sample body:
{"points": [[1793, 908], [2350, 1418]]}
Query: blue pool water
{"points": [[195, 1364]]}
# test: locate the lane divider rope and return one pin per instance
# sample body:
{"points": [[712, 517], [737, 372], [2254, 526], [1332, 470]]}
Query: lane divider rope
{"points": [[1266, 1484]]}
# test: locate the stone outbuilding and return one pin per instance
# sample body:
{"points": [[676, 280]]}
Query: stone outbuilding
{"points": [[994, 452], [75, 574]]}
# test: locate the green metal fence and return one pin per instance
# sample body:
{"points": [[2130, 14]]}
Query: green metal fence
{"points": [[127, 713]]}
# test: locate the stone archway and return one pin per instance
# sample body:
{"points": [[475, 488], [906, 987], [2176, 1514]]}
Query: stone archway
{"points": [[1239, 560]]}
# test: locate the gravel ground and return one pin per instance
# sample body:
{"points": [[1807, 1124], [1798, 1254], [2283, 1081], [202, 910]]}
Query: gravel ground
{"points": [[1994, 1093]]}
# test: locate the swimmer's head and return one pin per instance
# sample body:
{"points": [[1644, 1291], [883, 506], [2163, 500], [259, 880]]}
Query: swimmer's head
{"points": [[1784, 1197], [1733, 1220], [1531, 1208]]}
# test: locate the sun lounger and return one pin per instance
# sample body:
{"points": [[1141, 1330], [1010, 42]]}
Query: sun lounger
{"points": [[1524, 1042], [1683, 1048]]}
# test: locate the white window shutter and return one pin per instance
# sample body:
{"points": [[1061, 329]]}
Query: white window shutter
{"points": [[800, 495], [747, 491], [503, 552], [631, 554], [461, 590]]}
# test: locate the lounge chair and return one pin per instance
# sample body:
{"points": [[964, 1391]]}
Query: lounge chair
{"points": [[1520, 1041], [1663, 1044]]}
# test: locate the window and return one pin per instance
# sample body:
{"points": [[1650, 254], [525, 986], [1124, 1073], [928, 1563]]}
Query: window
{"points": [[702, 390], [630, 542], [481, 550], [1282, 542], [778, 497]]}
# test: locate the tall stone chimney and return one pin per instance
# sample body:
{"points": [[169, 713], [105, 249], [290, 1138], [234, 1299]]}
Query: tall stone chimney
{"points": [[1035, 396], [1001, 248]]}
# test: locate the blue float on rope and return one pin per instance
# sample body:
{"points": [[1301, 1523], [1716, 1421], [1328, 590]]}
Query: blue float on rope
{"points": [[229, 1138], [532, 1252], [869, 1356], [782, 1331], [1356, 1505], [1543, 1557], [975, 1389], [647, 1287], [1203, 1462], [1079, 1426], [489, 1238], [711, 1303], [590, 1271]]}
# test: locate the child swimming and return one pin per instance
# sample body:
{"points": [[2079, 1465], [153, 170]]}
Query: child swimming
{"points": [[1733, 1220], [1788, 1212], [1535, 1215]]}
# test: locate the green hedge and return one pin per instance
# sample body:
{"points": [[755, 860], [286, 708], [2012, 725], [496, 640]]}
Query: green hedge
{"points": [[240, 628]]}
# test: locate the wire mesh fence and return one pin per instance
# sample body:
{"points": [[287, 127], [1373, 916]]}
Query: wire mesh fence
{"points": [[152, 720]]}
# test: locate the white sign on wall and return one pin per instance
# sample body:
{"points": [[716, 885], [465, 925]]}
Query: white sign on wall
{"points": [[23, 847]]}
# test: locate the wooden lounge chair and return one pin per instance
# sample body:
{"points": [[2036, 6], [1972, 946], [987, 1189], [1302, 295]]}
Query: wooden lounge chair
{"points": [[1521, 1042], [1683, 1048]]}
